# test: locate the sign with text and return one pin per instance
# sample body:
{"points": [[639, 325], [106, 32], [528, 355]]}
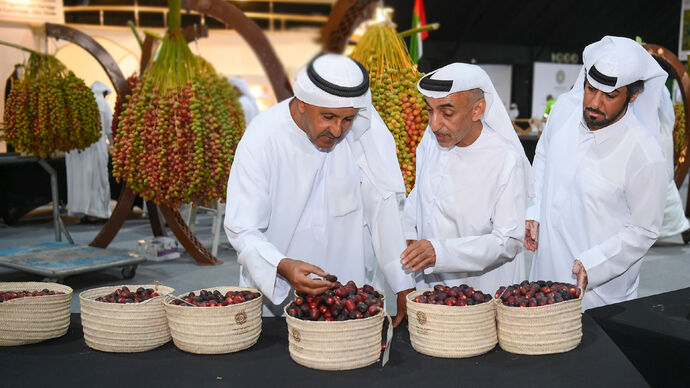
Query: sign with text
{"points": [[551, 79], [26, 11]]}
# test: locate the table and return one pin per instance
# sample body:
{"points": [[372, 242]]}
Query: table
{"points": [[67, 361], [654, 333], [25, 185]]}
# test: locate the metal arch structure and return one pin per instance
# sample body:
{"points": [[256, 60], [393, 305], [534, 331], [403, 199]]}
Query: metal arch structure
{"points": [[60, 31], [344, 18], [670, 62], [253, 35]]}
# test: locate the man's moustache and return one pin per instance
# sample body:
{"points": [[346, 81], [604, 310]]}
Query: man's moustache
{"points": [[594, 111]]}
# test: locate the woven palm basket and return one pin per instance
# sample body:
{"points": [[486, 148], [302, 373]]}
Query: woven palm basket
{"points": [[335, 345], [554, 328], [124, 328], [451, 331], [34, 319], [215, 330]]}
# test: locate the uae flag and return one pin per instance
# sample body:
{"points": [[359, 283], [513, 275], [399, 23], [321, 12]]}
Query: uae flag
{"points": [[418, 20]]}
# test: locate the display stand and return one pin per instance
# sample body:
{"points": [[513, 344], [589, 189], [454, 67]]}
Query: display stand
{"points": [[252, 34], [57, 220]]}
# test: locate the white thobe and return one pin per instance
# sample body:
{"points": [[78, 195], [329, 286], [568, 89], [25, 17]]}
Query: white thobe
{"points": [[469, 202], [600, 199], [88, 187], [287, 198], [249, 107]]}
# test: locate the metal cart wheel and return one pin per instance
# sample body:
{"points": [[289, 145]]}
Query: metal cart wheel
{"points": [[129, 271]]}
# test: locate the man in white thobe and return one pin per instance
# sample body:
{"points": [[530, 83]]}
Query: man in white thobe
{"points": [[88, 187], [315, 188], [600, 175], [248, 102], [464, 218]]}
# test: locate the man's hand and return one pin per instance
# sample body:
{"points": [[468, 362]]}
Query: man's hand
{"points": [[402, 307], [297, 273], [418, 255], [409, 242], [581, 273], [531, 235]]}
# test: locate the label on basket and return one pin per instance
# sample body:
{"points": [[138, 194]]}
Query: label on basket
{"points": [[389, 337], [241, 318]]}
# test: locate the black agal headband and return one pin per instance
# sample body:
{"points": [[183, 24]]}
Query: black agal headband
{"points": [[337, 90], [435, 85], [601, 78]]}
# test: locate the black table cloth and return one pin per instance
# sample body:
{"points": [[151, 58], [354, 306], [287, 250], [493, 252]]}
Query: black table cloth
{"points": [[67, 361], [654, 333]]}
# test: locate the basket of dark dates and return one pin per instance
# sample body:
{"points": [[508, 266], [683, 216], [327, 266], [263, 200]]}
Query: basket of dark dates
{"points": [[337, 330], [32, 312], [125, 319], [215, 320], [539, 317], [451, 321]]}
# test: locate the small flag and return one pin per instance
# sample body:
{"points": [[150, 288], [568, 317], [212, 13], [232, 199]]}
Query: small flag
{"points": [[418, 20]]}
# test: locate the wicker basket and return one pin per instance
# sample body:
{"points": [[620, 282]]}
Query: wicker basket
{"points": [[335, 345], [554, 328], [215, 330], [124, 328], [451, 331], [34, 319]]}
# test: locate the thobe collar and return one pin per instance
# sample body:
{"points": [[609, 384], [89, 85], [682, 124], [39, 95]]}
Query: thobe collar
{"points": [[612, 131]]}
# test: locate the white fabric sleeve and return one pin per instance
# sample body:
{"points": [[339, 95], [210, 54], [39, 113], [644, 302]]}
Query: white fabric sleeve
{"points": [[410, 216], [645, 195], [246, 217], [383, 216], [532, 211], [478, 253]]}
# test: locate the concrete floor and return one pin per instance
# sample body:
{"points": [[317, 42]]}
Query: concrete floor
{"points": [[665, 268]]}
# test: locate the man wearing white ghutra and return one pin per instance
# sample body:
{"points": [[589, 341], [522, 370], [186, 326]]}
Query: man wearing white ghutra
{"points": [[463, 220], [600, 175], [315, 188]]}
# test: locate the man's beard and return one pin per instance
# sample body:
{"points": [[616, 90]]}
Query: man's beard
{"points": [[593, 124]]}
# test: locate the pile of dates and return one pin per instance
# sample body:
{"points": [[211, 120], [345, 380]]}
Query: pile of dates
{"points": [[124, 295], [340, 303], [7, 295], [539, 293], [462, 295], [215, 298]]}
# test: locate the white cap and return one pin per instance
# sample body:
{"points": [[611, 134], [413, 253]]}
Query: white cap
{"points": [[336, 81], [614, 62]]}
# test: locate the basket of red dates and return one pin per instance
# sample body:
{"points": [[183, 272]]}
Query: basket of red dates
{"points": [[32, 312], [215, 320], [451, 321], [540, 317]]}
